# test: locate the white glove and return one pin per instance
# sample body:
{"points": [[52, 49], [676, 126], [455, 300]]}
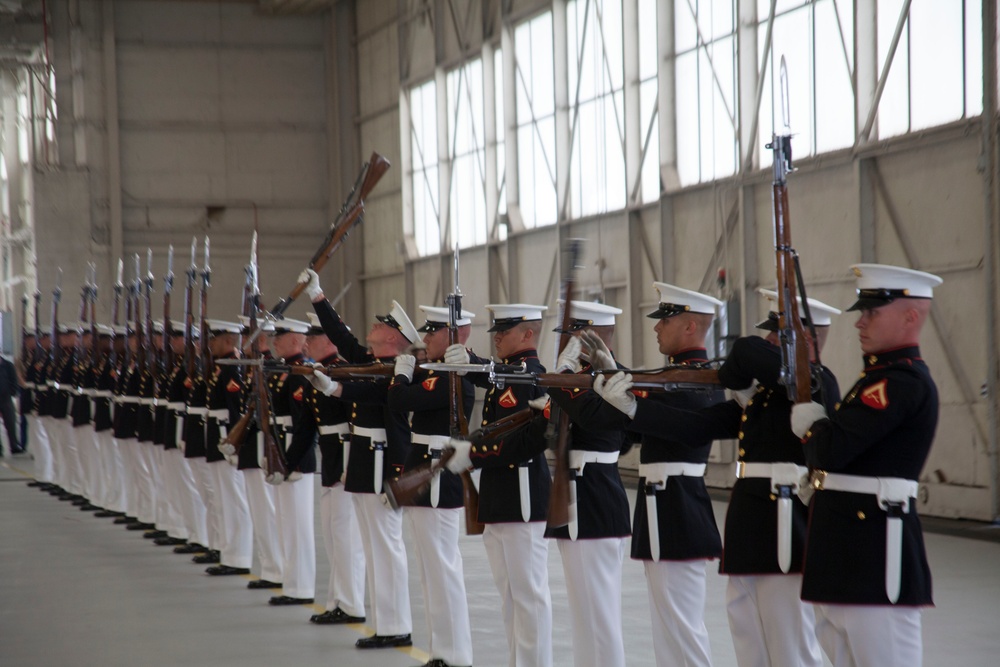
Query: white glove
{"points": [[460, 460], [804, 415], [311, 280], [596, 352], [615, 392], [404, 365], [456, 354], [227, 449], [539, 403], [274, 478], [569, 358], [232, 460], [294, 476], [322, 383], [743, 396]]}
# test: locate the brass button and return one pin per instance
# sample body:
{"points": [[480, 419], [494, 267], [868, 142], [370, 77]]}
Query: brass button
{"points": [[872, 359], [577, 390], [484, 422], [861, 515], [511, 466], [743, 452], [744, 417], [496, 447], [773, 497], [740, 436]]}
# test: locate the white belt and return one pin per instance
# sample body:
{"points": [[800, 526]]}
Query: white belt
{"points": [[284, 421], [157, 402], [52, 384], [788, 474], [176, 405], [29, 385], [657, 473], [432, 441], [886, 489], [103, 393], [579, 458], [197, 411], [128, 399], [330, 429], [222, 414], [373, 434], [144, 400]]}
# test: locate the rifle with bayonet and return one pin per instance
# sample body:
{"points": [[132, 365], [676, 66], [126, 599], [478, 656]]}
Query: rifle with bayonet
{"points": [[84, 301], [152, 358], [558, 428], [206, 351], [167, 359], [274, 456], [95, 343], [351, 214], [55, 350], [681, 377], [190, 354], [39, 350], [140, 339], [795, 371], [373, 371], [118, 288], [237, 435]]}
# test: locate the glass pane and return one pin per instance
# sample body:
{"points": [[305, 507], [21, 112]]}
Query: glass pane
{"points": [[685, 28], [894, 108], [468, 202], [688, 125], [834, 92], [647, 39], [937, 93], [648, 123], [498, 81], [973, 58]]}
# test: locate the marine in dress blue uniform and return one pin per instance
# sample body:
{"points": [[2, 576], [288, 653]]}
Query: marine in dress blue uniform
{"points": [[380, 444], [674, 531], [294, 501], [592, 546], [514, 488], [225, 403], [345, 591], [866, 567], [437, 516]]}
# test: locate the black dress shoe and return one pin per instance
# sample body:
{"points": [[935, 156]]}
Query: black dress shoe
{"points": [[283, 600], [89, 508], [126, 519], [207, 558], [104, 514], [384, 641], [436, 662], [55, 490], [167, 541], [335, 617], [36, 483], [224, 570], [66, 496], [81, 501], [153, 534], [190, 548], [263, 583], [138, 525]]}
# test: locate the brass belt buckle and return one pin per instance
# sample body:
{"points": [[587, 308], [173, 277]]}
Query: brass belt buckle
{"points": [[818, 477], [741, 469]]}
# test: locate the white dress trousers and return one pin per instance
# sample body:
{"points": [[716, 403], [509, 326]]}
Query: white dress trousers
{"points": [[237, 529], [294, 507], [91, 463], [771, 626], [205, 481], [677, 604], [192, 505], [344, 550], [870, 636], [127, 447], [593, 571], [518, 556], [385, 558], [435, 538], [112, 491], [260, 500], [175, 523], [41, 449], [149, 480]]}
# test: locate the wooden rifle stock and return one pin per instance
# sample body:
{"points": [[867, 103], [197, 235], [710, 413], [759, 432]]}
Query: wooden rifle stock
{"points": [[350, 215], [237, 435], [654, 380], [412, 484]]}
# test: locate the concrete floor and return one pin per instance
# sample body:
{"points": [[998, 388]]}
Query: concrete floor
{"points": [[76, 591]]}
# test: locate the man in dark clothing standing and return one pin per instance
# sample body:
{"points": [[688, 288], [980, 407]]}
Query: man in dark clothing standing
{"points": [[8, 391]]}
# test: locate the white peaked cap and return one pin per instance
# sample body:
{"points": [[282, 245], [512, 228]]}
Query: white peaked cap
{"points": [[223, 326], [399, 320], [879, 284], [822, 314], [508, 316], [437, 318], [676, 300], [288, 325], [590, 314]]}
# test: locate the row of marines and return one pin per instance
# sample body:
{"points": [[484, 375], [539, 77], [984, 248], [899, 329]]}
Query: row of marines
{"points": [[832, 560]]}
